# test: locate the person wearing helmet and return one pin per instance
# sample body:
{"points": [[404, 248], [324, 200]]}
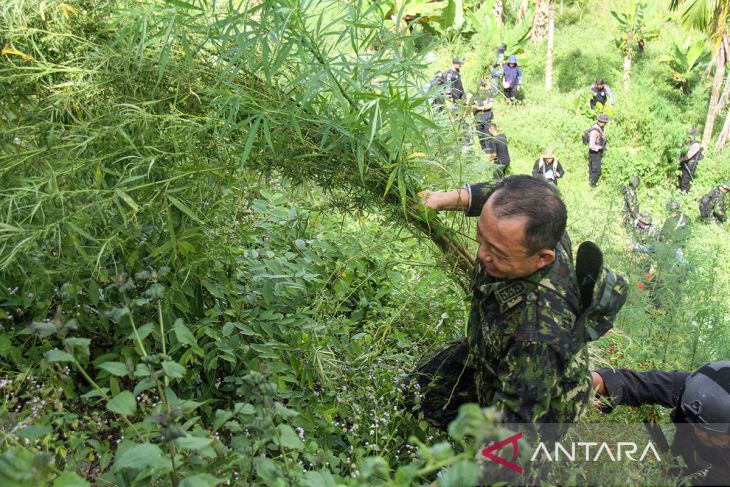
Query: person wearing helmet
{"points": [[453, 81], [712, 205], [688, 160], [548, 167], [511, 77], [700, 403], [631, 201]]}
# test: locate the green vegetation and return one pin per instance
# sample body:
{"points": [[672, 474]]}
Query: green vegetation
{"points": [[210, 270]]}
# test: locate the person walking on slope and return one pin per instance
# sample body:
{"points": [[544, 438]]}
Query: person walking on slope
{"points": [[597, 145], [455, 88], [548, 168], [511, 78], [483, 114], [601, 94], [688, 160], [497, 149]]}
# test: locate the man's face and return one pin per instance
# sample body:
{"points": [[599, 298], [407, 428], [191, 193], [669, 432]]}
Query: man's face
{"points": [[599, 86], [511, 65], [602, 124], [456, 66], [713, 440], [502, 249], [548, 160]]}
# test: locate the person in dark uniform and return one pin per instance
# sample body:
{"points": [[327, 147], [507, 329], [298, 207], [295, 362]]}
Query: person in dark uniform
{"points": [[548, 168], [601, 94], [455, 88], [700, 404], [532, 312], [483, 114], [497, 149], [689, 160], [597, 144]]}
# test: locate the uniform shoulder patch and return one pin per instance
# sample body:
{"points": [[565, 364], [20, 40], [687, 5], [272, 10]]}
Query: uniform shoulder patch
{"points": [[511, 295]]}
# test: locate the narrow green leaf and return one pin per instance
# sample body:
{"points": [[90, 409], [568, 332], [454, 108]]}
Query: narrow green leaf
{"points": [[184, 208], [252, 132]]}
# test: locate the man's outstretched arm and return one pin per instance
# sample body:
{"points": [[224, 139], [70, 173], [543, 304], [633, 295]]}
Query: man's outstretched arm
{"points": [[470, 199], [630, 388]]}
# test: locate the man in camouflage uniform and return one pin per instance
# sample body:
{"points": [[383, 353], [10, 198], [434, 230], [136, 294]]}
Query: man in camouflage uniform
{"points": [[646, 234], [532, 312], [712, 205], [631, 201]]}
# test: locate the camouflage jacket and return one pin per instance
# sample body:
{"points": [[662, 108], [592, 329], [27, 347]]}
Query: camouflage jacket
{"points": [[717, 204], [528, 358], [631, 204], [528, 337]]}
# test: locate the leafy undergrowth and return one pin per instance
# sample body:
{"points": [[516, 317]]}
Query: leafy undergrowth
{"points": [[208, 274]]}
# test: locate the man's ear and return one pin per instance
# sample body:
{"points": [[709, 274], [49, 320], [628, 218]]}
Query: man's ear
{"points": [[545, 257]]}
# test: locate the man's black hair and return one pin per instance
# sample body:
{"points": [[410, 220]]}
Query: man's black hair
{"points": [[536, 200]]}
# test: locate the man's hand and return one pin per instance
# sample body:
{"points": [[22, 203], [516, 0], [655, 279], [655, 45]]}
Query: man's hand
{"points": [[445, 200]]}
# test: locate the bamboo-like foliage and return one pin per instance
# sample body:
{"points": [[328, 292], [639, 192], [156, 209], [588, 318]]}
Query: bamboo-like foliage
{"points": [[102, 153]]}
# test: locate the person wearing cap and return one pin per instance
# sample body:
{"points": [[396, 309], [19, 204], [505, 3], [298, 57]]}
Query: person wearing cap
{"points": [[631, 201], [548, 168], [511, 77], [497, 149], [453, 81], [712, 205], [533, 312], [700, 403], [597, 144], [483, 114], [688, 160], [601, 94]]}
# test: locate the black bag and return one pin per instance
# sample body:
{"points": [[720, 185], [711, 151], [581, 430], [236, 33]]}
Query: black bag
{"points": [[705, 208], [586, 136]]}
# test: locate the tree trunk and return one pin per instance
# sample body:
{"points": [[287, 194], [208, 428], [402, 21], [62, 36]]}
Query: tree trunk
{"points": [[715, 95], [725, 94], [550, 45], [627, 70], [722, 138], [540, 20], [498, 11]]}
